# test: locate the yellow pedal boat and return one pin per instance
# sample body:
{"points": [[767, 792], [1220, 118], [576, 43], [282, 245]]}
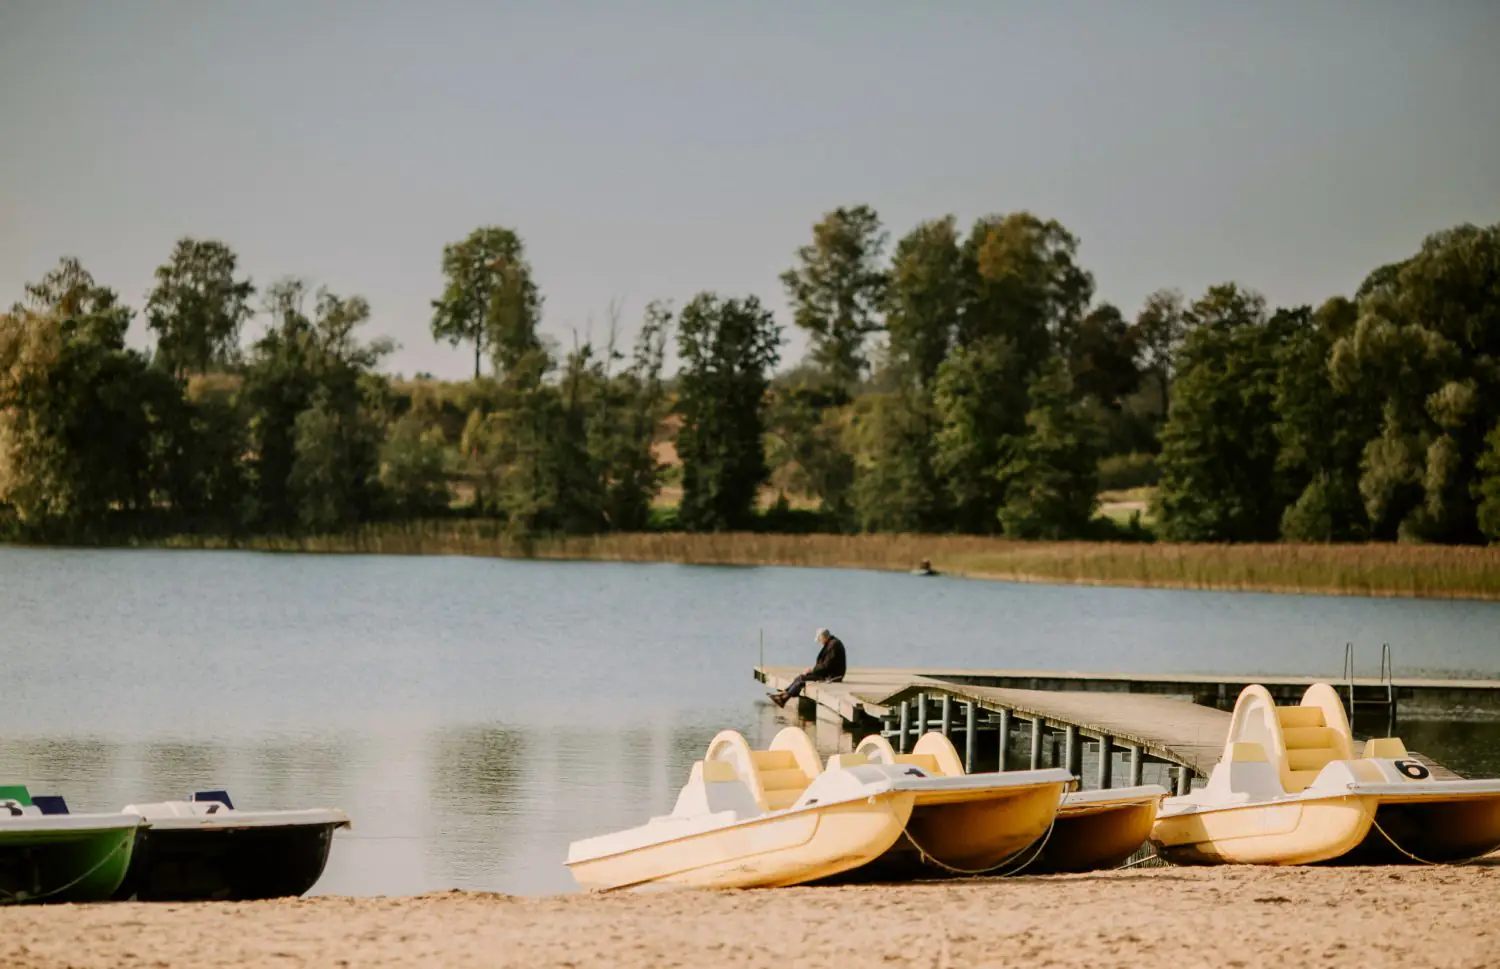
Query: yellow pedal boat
{"points": [[1289, 790], [1093, 830], [961, 824], [766, 818]]}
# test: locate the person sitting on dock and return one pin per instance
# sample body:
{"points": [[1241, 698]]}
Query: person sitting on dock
{"points": [[828, 668]]}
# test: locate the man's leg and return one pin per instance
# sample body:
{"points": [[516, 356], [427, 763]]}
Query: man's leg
{"points": [[792, 690]]}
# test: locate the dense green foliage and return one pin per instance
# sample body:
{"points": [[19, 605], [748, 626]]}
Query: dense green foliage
{"points": [[967, 383]]}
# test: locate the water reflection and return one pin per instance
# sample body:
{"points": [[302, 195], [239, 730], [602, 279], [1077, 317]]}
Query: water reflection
{"points": [[174, 770], [475, 785], [371, 684]]}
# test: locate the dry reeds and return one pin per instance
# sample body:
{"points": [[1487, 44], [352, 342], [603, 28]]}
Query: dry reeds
{"points": [[1373, 570]]}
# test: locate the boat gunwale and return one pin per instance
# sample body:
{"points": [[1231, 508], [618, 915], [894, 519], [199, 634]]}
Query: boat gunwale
{"points": [[232, 820], [777, 815], [81, 823]]}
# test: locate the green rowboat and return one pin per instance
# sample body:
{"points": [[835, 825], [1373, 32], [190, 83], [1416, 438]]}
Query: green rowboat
{"points": [[61, 857]]}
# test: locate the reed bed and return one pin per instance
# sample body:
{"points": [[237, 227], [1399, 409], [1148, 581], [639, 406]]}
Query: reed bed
{"points": [[1427, 571]]}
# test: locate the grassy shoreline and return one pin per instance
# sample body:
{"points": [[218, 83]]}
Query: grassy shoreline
{"points": [[1422, 571]]}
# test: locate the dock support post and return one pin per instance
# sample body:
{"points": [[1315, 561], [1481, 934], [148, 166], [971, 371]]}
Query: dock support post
{"points": [[971, 734], [921, 718], [1004, 729], [1184, 780], [1137, 769], [1073, 752], [1106, 762], [905, 726], [947, 714], [1037, 725]]}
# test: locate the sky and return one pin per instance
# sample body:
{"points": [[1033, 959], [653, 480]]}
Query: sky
{"points": [[651, 150]]}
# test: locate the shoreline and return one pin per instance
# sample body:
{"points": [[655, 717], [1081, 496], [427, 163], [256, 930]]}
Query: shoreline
{"points": [[1371, 918], [1372, 570]]}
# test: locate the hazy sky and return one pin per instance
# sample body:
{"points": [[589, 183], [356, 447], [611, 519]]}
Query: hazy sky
{"points": [[656, 149]]}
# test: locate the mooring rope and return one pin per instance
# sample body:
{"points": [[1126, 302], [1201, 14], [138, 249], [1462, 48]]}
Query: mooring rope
{"points": [[1039, 845], [1466, 861], [1139, 861], [18, 898]]}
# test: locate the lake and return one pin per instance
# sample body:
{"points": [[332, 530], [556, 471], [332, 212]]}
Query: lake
{"points": [[476, 715]]}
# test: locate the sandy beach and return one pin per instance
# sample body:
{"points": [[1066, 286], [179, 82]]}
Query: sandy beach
{"points": [[1233, 917]]}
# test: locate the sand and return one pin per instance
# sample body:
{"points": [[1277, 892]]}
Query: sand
{"points": [[1231, 917]]}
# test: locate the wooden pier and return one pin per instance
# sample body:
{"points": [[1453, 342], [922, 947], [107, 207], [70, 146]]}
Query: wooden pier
{"points": [[1165, 722]]}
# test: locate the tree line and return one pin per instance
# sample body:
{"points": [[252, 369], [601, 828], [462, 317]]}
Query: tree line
{"points": [[955, 382]]}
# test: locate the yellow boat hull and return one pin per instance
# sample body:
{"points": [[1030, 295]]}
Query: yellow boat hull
{"points": [[1092, 837], [1433, 829], [963, 833], [1289, 833]]}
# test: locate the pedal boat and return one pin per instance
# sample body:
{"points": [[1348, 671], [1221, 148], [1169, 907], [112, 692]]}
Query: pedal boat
{"points": [[47, 856], [738, 824], [1289, 790], [1093, 830], [765, 818], [204, 849], [961, 824]]}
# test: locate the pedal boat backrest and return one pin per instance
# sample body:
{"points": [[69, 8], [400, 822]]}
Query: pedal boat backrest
{"points": [[1299, 741], [776, 776], [932, 752]]}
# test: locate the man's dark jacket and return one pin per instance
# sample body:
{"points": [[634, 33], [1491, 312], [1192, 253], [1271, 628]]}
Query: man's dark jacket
{"points": [[830, 664]]}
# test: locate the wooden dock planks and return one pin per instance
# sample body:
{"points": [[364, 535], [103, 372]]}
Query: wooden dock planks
{"points": [[1164, 727]]}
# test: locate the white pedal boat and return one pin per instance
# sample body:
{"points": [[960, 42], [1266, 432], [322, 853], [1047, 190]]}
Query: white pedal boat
{"points": [[765, 818], [1289, 790], [204, 848]]}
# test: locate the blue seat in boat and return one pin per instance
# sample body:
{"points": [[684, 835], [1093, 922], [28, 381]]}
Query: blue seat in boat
{"points": [[221, 796], [50, 803]]}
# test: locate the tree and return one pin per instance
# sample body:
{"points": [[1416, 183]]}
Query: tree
{"points": [[1322, 432], [980, 401], [1422, 353], [623, 426], [489, 298], [316, 411], [1103, 357], [1049, 477], [923, 300], [1024, 297], [807, 445], [1160, 327], [197, 307], [1486, 487], [86, 426], [413, 472], [1024, 285], [728, 348], [836, 291], [1219, 473], [896, 486]]}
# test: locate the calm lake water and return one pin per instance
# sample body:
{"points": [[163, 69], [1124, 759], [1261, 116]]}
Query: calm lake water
{"points": [[475, 715]]}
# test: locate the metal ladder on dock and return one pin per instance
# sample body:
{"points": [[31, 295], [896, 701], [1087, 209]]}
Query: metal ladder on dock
{"points": [[1387, 684]]}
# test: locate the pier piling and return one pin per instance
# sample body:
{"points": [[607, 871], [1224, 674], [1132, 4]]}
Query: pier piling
{"points": [[971, 734]]}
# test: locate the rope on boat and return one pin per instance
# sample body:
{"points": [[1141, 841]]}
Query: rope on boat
{"points": [[1139, 861], [1039, 844], [1424, 861], [9, 898]]}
